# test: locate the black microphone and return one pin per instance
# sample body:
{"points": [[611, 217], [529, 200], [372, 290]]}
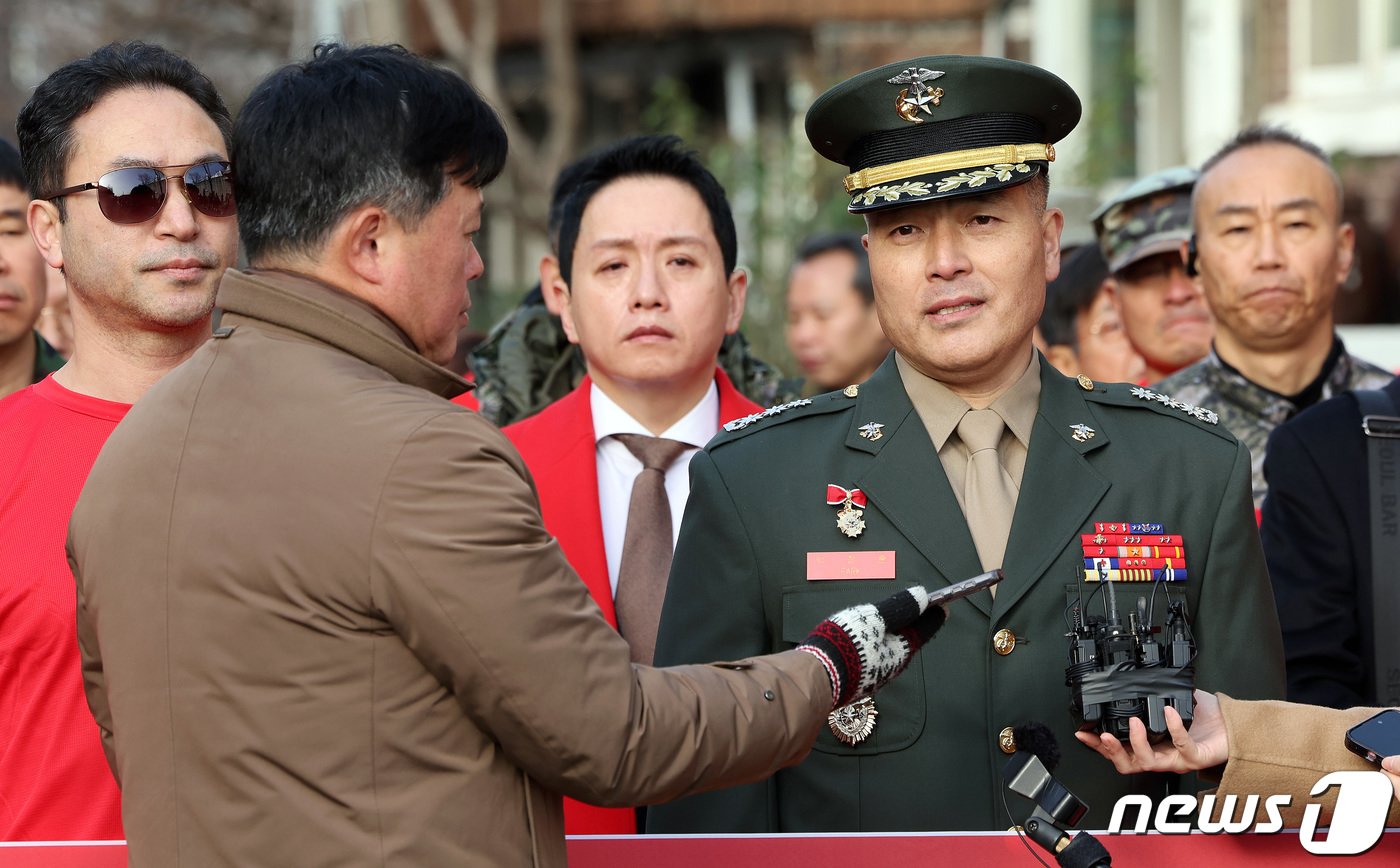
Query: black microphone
{"points": [[1036, 738], [1028, 774]]}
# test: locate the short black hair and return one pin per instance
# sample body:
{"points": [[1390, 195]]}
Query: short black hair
{"points": [[45, 123], [659, 156], [1040, 190], [11, 170], [352, 126], [568, 179], [848, 242], [1071, 294], [1266, 134]]}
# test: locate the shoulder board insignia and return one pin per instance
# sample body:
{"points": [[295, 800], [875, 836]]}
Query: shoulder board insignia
{"points": [[1200, 413], [745, 421]]}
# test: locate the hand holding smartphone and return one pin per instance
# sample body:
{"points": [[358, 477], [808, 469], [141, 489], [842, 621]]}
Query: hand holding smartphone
{"points": [[964, 588], [1376, 737]]}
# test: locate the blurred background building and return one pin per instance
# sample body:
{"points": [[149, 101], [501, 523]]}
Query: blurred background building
{"points": [[1163, 82]]}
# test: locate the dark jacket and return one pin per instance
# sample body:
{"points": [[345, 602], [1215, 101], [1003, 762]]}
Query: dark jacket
{"points": [[1317, 540]]}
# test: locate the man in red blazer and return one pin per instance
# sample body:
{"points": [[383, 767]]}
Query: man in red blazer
{"points": [[647, 287]]}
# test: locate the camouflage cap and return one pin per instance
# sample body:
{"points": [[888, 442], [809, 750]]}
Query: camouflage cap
{"points": [[941, 126], [1152, 215]]}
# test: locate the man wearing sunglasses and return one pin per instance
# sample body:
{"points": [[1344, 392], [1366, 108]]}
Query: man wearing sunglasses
{"points": [[126, 155]]}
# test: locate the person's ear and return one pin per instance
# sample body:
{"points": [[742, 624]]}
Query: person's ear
{"points": [[1346, 251], [362, 244], [1052, 224], [559, 299], [47, 231], [738, 293], [549, 276]]}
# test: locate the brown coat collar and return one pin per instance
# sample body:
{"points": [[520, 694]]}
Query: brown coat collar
{"points": [[324, 313]]}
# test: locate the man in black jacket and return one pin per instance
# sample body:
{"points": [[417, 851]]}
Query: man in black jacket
{"points": [[1317, 540]]}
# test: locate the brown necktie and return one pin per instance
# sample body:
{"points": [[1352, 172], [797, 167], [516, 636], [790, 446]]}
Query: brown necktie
{"points": [[646, 548], [989, 499]]}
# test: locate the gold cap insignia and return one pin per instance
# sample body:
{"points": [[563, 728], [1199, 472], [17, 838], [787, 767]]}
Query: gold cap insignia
{"points": [[917, 96]]}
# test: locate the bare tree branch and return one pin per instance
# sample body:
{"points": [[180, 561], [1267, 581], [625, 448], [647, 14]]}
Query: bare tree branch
{"points": [[476, 56], [562, 74], [533, 165]]}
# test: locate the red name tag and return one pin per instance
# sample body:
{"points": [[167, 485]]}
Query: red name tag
{"points": [[838, 566]]}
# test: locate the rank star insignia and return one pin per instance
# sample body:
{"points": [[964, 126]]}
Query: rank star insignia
{"points": [[1200, 413], [852, 724], [744, 422], [871, 430], [1082, 433], [917, 96]]}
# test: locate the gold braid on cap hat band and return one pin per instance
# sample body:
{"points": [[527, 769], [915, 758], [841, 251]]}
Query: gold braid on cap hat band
{"points": [[975, 157]]}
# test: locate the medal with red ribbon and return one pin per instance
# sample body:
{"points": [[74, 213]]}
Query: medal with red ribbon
{"points": [[848, 520]]}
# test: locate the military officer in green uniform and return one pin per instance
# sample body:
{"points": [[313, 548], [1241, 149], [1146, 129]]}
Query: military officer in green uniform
{"points": [[965, 451]]}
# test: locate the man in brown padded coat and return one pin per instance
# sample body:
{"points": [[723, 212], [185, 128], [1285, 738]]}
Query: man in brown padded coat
{"points": [[321, 621]]}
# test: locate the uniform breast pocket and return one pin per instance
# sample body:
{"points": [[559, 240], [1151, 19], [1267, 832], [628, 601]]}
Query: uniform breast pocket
{"points": [[900, 705]]}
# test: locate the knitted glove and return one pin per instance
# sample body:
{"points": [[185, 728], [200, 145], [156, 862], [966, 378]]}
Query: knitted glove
{"points": [[865, 646]]}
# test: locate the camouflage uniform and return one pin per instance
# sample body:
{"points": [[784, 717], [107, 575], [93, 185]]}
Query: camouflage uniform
{"points": [[527, 363], [1252, 412], [1150, 216]]}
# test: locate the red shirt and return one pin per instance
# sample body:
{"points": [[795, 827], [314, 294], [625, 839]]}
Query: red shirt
{"points": [[54, 781]]}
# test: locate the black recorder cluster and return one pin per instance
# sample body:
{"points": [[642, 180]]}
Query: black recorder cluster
{"points": [[1119, 671]]}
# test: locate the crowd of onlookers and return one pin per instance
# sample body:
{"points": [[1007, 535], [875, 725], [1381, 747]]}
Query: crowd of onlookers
{"points": [[609, 379]]}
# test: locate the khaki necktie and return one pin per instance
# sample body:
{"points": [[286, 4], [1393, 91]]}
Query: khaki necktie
{"points": [[989, 498], [646, 547]]}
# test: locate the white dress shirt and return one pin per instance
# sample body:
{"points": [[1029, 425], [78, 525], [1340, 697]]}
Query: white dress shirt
{"points": [[618, 467]]}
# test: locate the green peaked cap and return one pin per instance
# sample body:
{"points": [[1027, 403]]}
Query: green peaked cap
{"points": [[939, 126]]}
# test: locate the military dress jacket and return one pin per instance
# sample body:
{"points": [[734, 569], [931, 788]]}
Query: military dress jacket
{"points": [[322, 623], [759, 506], [1317, 540], [560, 449]]}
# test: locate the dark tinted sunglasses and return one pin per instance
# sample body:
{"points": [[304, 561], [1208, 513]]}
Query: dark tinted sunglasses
{"points": [[137, 193]]}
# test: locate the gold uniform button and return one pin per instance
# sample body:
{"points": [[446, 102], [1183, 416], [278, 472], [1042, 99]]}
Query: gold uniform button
{"points": [[1004, 642], [1006, 740]]}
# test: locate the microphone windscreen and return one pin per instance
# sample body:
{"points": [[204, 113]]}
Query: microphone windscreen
{"points": [[1036, 738]]}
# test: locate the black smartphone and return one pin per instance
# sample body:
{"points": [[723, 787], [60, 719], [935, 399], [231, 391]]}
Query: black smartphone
{"points": [[967, 586], [1376, 738]]}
